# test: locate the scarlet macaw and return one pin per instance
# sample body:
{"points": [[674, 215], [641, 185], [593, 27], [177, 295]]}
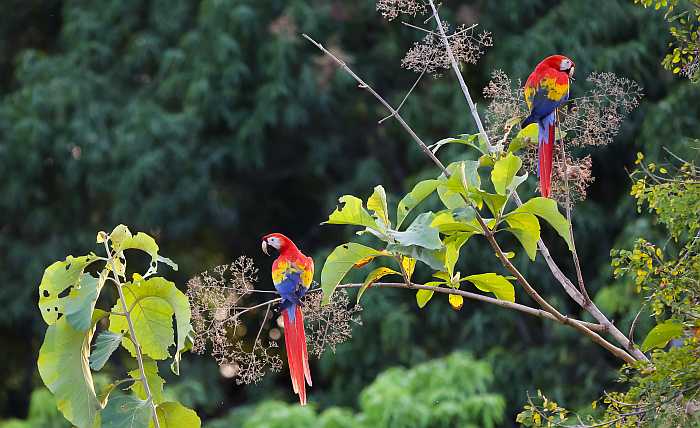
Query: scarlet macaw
{"points": [[292, 273], [546, 89]]}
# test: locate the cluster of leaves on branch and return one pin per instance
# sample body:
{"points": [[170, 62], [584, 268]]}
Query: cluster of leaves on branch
{"points": [[589, 120], [141, 322], [221, 296], [684, 19], [665, 391]]}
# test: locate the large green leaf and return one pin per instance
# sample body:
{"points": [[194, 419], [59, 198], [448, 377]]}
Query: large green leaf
{"points": [[126, 411], [525, 137], [420, 191], [526, 229], [351, 211], [420, 233], [546, 209], [106, 343], [64, 368], [660, 335], [155, 382], [339, 263], [54, 292], [154, 302], [377, 205], [493, 283], [504, 172], [494, 202], [172, 414], [433, 258], [375, 276]]}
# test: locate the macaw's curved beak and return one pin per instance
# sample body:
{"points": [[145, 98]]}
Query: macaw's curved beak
{"points": [[264, 247], [571, 73]]}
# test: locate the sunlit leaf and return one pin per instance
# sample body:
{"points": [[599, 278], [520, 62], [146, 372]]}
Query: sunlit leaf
{"points": [[155, 382], [126, 411], [377, 204], [409, 265], [424, 296], [351, 211], [493, 283], [452, 246], [546, 209], [469, 140], [525, 137], [81, 302], [526, 229], [504, 172], [172, 414], [420, 191], [63, 366], [660, 335], [456, 301], [54, 290], [373, 277], [464, 180], [339, 262]]}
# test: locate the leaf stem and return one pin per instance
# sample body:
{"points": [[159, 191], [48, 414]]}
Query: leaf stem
{"points": [[132, 336]]}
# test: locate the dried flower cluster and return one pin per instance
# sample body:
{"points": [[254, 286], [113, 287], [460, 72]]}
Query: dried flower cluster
{"points": [[591, 120], [330, 325], [391, 9], [220, 298], [429, 55]]}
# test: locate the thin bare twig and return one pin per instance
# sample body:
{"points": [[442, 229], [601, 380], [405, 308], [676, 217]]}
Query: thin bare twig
{"points": [[407, 95]]}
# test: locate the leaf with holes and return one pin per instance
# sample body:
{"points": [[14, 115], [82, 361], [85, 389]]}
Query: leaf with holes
{"points": [[377, 205], [338, 264], [56, 289], [546, 209], [350, 211], [420, 191], [373, 277], [493, 283], [63, 366]]}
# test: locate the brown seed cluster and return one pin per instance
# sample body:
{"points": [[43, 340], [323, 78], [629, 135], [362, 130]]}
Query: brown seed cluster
{"points": [[235, 322], [391, 9], [430, 55]]}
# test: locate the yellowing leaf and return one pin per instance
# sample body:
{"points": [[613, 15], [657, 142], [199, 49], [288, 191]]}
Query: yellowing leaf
{"points": [[424, 296], [504, 172], [493, 283], [377, 204], [373, 277], [338, 264], [409, 265], [351, 211], [456, 301]]}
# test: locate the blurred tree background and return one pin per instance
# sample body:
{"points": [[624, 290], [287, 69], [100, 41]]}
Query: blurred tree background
{"points": [[210, 123]]}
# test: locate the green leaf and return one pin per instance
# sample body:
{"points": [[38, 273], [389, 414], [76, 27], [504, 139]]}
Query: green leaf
{"points": [[420, 191], [546, 209], [155, 382], [339, 263], [446, 224], [54, 294], [81, 302], [495, 202], [63, 366], [660, 335], [504, 172], [468, 140], [373, 277], [420, 233], [525, 137], [154, 302], [493, 283], [351, 211], [424, 296], [464, 181], [377, 204], [172, 414], [433, 258], [452, 246], [526, 229], [118, 235], [106, 343], [126, 411]]}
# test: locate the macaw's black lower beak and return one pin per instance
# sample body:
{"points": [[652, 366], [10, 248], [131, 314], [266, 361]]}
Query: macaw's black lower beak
{"points": [[264, 248]]}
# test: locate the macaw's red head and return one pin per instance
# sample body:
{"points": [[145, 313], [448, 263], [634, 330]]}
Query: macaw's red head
{"points": [[560, 63], [277, 241]]}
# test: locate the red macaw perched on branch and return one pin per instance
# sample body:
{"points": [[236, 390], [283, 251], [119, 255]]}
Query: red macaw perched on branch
{"points": [[292, 273], [546, 89]]}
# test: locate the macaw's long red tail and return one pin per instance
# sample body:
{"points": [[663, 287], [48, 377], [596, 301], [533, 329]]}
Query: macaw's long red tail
{"points": [[298, 358], [545, 153]]}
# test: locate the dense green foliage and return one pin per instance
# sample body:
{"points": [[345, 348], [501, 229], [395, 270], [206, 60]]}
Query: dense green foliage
{"points": [[210, 123]]}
